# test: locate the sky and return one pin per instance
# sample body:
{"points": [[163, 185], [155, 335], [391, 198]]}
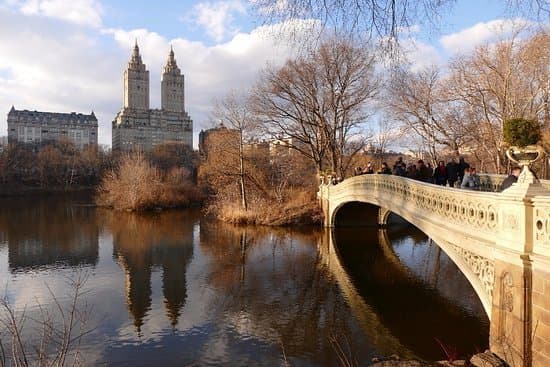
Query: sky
{"points": [[65, 56]]}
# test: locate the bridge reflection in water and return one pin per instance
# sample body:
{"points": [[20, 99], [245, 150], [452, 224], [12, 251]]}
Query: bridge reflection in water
{"points": [[408, 296]]}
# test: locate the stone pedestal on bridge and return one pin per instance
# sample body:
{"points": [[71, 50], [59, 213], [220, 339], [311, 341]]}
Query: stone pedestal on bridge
{"points": [[520, 326], [511, 316]]}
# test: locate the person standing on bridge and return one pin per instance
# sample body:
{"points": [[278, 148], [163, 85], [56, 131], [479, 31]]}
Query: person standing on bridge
{"points": [[425, 174], [462, 165], [412, 172], [452, 172], [385, 170], [398, 163], [440, 174], [400, 169], [369, 169], [511, 179], [471, 180]]}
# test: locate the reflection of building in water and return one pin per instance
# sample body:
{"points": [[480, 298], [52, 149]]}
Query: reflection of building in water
{"points": [[48, 231], [138, 284], [174, 259], [143, 242]]}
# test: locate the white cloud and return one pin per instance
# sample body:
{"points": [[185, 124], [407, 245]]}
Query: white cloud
{"points": [[467, 39], [419, 55], [217, 17], [83, 12]]}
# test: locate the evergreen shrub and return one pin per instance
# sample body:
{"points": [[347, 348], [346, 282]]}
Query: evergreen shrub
{"points": [[521, 132]]}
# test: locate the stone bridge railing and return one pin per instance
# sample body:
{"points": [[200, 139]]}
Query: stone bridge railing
{"points": [[500, 240], [489, 182], [448, 205]]}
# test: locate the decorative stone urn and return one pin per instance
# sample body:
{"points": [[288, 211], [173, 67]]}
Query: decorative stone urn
{"points": [[524, 157], [523, 136]]}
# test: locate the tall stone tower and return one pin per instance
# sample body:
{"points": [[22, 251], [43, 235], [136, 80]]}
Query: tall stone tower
{"points": [[172, 86], [136, 126], [136, 83]]}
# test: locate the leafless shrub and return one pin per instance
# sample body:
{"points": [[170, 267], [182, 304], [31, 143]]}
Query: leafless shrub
{"points": [[135, 184], [52, 339], [299, 207]]}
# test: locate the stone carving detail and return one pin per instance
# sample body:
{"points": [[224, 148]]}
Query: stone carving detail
{"points": [[507, 292], [542, 221], [510, 222], [480, 266]]}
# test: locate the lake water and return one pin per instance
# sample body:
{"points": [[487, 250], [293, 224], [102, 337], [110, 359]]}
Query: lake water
{"points": [[176, 289]]}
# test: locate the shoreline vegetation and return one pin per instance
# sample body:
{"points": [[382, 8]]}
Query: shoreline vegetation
{"points": [[135, 184], [302, 209]]}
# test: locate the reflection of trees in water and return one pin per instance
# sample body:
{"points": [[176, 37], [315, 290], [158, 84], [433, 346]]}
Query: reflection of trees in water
{"points": [[47, 230], [271, 284], [142, 241], [415, 311]]}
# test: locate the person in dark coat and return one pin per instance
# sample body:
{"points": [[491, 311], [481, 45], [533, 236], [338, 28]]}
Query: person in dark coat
{"points": [[400, 169], [412, 172], [425, 172], [462, 165], [452, 172], [440, 174], [385, 170], [429, 173], [511, 179], [398, 163]]}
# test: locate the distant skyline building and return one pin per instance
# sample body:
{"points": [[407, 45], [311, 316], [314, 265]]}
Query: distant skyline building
{"points": [[35, 127], [3, 142], [214, 135], [137, 126]]}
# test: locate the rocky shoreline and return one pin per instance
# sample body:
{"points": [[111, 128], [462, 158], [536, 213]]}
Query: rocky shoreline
{"points": [[486, 359]]}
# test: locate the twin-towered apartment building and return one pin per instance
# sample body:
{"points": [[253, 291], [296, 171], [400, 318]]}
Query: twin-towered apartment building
{"points": [[135, 127]]}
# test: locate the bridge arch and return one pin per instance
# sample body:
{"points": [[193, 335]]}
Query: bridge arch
{"points": [[356, 213], [360, 213], [374, 214]]}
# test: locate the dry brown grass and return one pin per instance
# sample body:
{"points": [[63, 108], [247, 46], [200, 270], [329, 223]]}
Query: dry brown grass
{"points": [[135, 184], [300, 208]]}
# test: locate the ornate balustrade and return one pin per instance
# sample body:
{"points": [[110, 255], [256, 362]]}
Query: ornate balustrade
{"points": [[445, 204]]}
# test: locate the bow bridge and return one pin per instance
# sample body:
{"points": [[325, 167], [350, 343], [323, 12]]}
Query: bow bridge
{"points": [[500, 241]]}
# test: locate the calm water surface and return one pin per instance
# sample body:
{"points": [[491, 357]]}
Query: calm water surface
{"points": [[173, 288]]}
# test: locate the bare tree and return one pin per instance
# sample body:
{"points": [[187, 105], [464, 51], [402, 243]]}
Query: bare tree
{"points": [[499, 82], [420, 101], [228, 154], [319, 102], [387, 132], [385, 20]]}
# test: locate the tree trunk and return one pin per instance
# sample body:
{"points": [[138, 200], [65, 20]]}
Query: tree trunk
{"points": [[244, 202]]}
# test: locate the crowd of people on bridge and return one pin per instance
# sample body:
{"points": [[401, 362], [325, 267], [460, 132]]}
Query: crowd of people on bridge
{"points": [[454, 174]]}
